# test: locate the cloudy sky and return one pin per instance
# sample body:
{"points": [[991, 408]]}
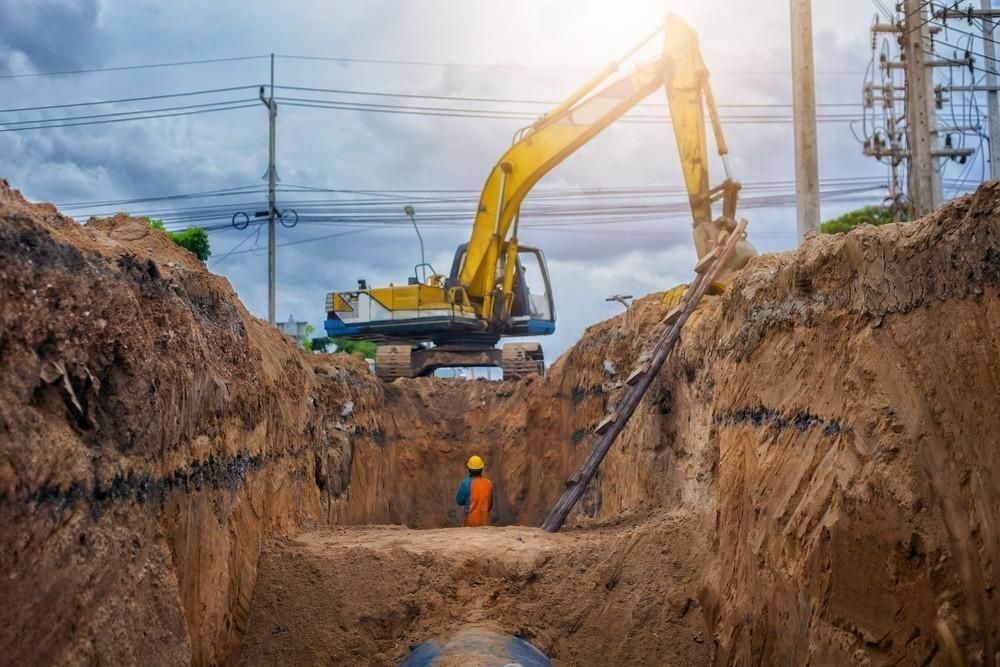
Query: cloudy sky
{"points": [[350, 166]]}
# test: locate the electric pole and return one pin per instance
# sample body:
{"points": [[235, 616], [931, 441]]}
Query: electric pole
{"points": [[288, 217], [992, 104], [804, 120], [272, 176], [922, 151], [918, 124]]}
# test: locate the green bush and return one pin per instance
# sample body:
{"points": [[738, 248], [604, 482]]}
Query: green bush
{"points": [[194, 239], [320, 343], [872, 215], [362, 347]]}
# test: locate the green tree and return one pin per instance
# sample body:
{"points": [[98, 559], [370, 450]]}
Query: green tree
{"points": [[365, 348], [194, 239], [872, 215]]}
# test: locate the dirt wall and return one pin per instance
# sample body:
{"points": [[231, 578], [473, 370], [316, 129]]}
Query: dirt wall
{"points": [[151, 433], [858, 478]]}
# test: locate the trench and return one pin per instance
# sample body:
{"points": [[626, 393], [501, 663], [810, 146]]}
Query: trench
{"points": [[396, 570], [809, 479]]}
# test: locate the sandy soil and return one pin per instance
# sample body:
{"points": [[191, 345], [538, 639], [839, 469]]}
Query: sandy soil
{"points": [[355, 596]]}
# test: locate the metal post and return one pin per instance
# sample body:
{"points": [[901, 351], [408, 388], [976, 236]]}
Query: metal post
{"points": [[992, 102], [408, 210], [804, 119], [272, 114], [918, 126]]}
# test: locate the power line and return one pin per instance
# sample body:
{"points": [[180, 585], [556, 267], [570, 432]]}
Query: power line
{"points": [[438, 111], [114, 114], [122, 120], [419, 193], [459, 98], [968, 34], [300, 242], [507, 114], [537, 201], [516, 66], [571, 228], [121, 68], [919, 10], [254, 232], [534, 213], [238, 190], [370, 61], [129, 99]]}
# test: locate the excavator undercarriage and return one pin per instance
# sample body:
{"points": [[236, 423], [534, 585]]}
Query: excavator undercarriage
{"points": [[517, 360]]}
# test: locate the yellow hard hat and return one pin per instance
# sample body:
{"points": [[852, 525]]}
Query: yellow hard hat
{"points": [[475, 463]]}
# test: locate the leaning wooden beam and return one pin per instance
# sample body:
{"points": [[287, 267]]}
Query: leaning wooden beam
{"points": [[608, 430]]}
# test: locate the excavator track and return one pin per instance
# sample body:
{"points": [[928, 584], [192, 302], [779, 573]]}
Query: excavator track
{"points": [[393, 361], [521, 360]]}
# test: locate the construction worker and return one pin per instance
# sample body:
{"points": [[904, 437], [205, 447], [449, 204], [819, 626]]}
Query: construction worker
{"points": [[475, 494]]}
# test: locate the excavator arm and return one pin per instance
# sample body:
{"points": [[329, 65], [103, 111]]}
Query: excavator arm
{"points": [[487, 274]]}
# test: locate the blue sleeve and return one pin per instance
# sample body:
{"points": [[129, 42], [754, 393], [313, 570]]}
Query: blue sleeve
{"points": [[462, 497]]}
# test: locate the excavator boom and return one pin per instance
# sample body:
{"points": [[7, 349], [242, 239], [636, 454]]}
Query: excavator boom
{"points": [[681, 70]]}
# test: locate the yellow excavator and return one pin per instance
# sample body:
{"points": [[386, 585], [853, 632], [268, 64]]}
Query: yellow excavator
{"points": [[456, 320]]}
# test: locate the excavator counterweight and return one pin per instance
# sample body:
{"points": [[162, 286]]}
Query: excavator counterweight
{"points": [[457, 319]]}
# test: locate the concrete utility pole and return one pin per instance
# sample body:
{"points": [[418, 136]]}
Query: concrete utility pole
{"points": [[992, 103], [272, 177], [804, 120], [918, 123]]}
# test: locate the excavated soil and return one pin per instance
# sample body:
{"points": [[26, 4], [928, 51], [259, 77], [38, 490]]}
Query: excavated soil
{"points": [[811, 479], [369, 595]]}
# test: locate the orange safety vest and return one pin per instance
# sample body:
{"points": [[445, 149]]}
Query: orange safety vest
{"points": [[480, 502]]}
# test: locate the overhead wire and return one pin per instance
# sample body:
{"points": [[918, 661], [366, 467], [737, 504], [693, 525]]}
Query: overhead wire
{"points": [[507, 100], [534, 214], [125, 113], [595, 201], [136, 116], [124, 100], [222, 258], [516, 66], [122, 68], [301, 241], [507, 114]]}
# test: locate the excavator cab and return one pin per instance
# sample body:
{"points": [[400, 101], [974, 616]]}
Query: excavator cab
{"points": [[533, 311]]}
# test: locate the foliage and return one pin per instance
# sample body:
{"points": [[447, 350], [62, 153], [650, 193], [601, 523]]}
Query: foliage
{"points": [[872, 215], [321, 343], [365, 348], [307, 341], [194, 239]]}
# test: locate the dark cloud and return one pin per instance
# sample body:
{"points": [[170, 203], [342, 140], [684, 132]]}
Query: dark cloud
{"points": [[47, 35]]}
